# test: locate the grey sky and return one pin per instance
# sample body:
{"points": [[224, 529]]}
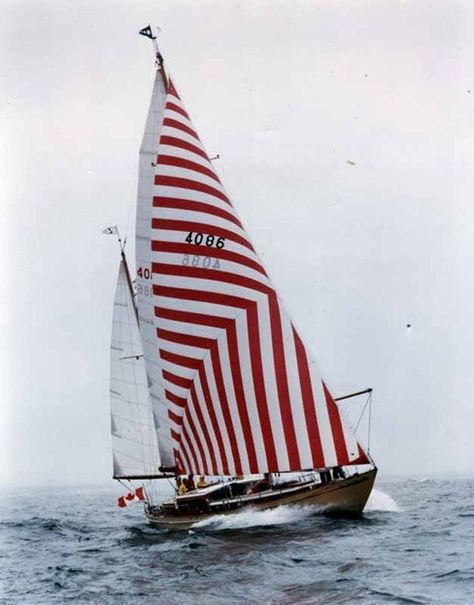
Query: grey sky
{"points": [[286, 93]]}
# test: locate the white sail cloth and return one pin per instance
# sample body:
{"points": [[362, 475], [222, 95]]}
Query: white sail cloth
{"points": [[148, 153], [239, 393], [134, 444]]}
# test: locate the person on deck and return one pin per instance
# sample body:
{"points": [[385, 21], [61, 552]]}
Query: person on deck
{"points": [[189, 483], [201, 482], [338, 473], [181, 488], [325, 476]]}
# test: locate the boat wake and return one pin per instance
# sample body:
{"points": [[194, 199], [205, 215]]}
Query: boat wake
{"points": [[381, 502], [251, 518]]}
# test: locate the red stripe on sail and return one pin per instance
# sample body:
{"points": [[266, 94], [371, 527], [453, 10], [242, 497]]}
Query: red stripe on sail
{"points": [[175, 418], [240, 396], [179, 401], [180, 204], [176, 436], [189, 443], [218, 322], [162, 180], [220, 385], [216, 298], [282, 383], [215, 275], [191, 317], [207, 252], [213, 417], [171, 90], [253, 331], [202, 422], [361, 457], [192, 226], [203, 343], [180, 126], [173, 107], [336, 428], [314, 437], [179, 381], [171, 160], [174, 142], [179, 360], [188, 419], [188, 451], [206, 343], [185, 339], [255, 352]]}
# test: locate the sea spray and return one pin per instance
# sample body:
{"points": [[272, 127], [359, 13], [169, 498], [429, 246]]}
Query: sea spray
{"points": [[381, 502], [251, 518]]}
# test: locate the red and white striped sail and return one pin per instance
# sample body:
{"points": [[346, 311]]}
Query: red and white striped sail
{"points": [[242, 394]]}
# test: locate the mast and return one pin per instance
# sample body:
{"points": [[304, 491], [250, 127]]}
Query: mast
{"points": [[143, 232], [148, 33], [127, 274]]}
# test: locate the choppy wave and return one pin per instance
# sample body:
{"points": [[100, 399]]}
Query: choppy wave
{"points": [[79, 548]]}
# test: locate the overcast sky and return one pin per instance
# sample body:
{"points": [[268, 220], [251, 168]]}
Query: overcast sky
{"points": [[286, 92]]}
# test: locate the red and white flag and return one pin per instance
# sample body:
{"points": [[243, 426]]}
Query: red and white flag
{"points": [[139, 493], [121, 502], [130, 496]]}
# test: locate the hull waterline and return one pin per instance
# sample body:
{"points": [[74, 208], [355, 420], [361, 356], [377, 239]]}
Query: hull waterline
{"points": [[342, 498]]}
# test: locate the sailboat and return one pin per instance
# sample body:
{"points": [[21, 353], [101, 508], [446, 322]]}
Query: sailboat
{"points": [[209, 376]]}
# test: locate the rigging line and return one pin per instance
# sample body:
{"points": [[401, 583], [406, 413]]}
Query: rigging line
{"points": [[128, 488], [370, 423], [362, 413]]}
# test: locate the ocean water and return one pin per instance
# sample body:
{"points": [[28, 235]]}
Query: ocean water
{"points": [[415, 544]]}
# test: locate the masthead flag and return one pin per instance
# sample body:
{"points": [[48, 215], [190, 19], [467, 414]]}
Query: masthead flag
{"points": [[111, 230], [146, 31]]}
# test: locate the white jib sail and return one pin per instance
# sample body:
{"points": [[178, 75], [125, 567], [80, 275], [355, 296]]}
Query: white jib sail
{"points": [[148, 153], [134, 443]]}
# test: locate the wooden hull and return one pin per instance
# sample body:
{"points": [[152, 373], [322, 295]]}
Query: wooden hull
{"points": [[344, 497]]}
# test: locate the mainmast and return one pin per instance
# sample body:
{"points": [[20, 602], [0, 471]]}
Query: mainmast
{"points": [[147, 32], [114, 231]]}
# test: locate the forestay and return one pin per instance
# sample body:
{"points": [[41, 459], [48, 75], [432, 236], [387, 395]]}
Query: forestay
{"points": [[134, 443], [241, 392]]}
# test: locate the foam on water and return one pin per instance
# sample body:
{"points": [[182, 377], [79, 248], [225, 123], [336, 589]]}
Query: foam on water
{"points": [[379, 501], [251, 518]]}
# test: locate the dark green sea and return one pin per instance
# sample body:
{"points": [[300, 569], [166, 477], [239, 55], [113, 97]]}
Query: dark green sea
{"points": [[414, 544]]}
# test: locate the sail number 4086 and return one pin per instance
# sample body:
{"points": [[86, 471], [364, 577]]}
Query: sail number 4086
{"points": [[208, 240]]}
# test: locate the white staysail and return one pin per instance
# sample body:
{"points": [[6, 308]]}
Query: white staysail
{"points": [[135, 450], [148, 153]]}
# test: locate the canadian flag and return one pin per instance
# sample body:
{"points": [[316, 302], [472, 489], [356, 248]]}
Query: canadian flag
{"points": [[139, 493], [130, 496], [121, 502]]}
